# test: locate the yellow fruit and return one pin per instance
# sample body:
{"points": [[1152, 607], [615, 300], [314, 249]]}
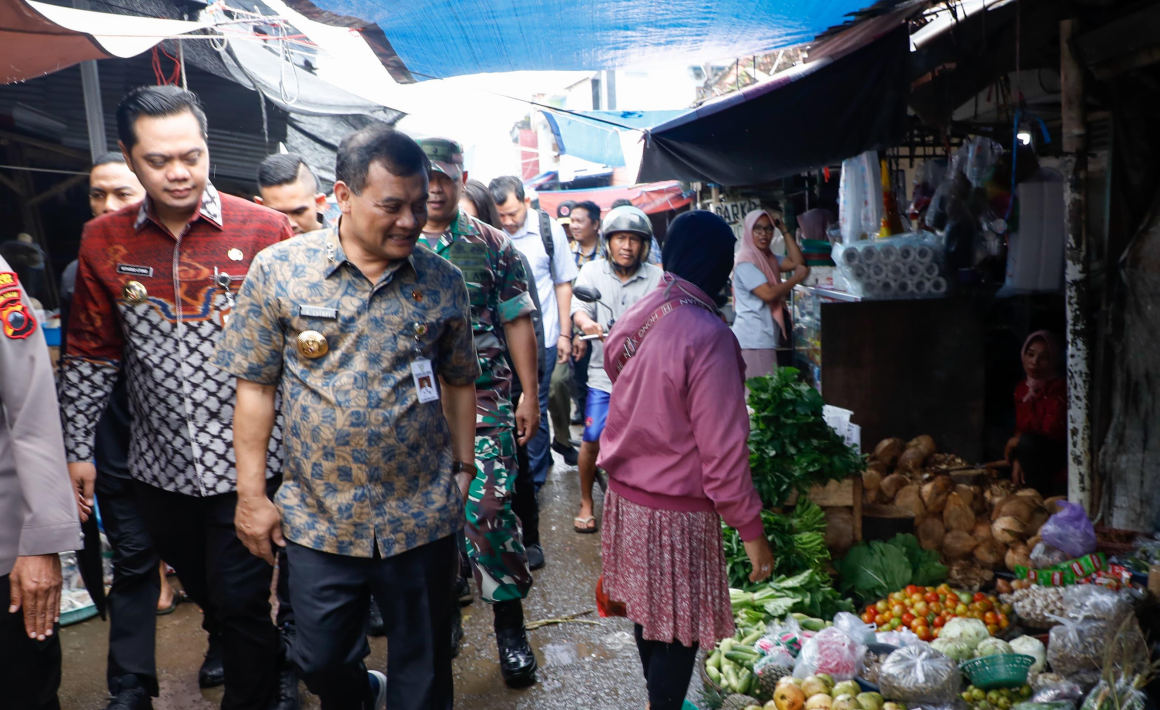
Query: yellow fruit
{"points": [[789, 697]]}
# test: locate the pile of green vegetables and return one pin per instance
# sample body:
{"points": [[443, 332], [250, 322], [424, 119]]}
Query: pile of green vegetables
{"points": [[790, 445], [808, 593], [872, 570], [798, 542]]}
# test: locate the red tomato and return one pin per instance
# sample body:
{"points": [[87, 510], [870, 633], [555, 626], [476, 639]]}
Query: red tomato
{"points": [[979, 596], [990, 618], [940, 621], [907, 618], [868, 617], [992, 629], [936, 607], [898, 610], [931, 597], [911, 589]]}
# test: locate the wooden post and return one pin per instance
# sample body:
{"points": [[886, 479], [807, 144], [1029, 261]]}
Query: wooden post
{"points": [[1078, 298]]}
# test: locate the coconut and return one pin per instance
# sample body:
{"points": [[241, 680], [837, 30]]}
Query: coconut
{"points": [[879, 467], [888, 450], [930, 532], [891, 485], [912, 460], [982, 530], [1017, 555], [989, 553], [909, 498], [1053, 504], [1038, 518], [1030, 493], [1008, 530], [967, 494], [957, 515], [935, 492], [958, 544], [924, 443], [1021, 507]]}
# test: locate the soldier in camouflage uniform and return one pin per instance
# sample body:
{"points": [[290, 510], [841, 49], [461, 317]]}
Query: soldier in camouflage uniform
{"points": [[501, 309]]}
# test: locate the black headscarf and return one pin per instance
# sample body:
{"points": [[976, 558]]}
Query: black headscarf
{"points": [[699, 248]]}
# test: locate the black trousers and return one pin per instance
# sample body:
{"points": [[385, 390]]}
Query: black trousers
{"points": [[668, 667], [524, 503], [331, 594], [196, 536], [580, 380], [29, 669]]}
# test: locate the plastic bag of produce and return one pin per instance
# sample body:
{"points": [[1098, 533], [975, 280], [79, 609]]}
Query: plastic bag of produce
{"points": [[898, 637], [1091, 602], [830, 651], [854, 628], [1031, 646], [1060, 690], [1070, 531], [1048, 705], [1044, 556], [920, 674], [971, 631], [1121, 696], [1074, 650]]}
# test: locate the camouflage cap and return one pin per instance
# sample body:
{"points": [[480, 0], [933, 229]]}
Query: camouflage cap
{"points": [[446, 156]]}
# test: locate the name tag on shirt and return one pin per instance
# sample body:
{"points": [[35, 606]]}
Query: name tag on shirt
{"points": [[318, 312], [424, 377]]}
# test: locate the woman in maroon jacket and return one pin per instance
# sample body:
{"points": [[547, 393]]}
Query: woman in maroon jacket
{"points": [[1038, 450]]}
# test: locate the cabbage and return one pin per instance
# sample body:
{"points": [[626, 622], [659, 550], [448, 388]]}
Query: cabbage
{"points": [[969, 631], [992, 647], [953, 649], [1031, 646]]}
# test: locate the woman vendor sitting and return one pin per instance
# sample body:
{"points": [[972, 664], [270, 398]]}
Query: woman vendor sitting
{"points": [[1038, 450]]}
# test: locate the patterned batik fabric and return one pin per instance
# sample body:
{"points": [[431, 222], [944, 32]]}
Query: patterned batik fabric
{"points": [[494, 537], [497, 285], [366, 462], [155, 304]]}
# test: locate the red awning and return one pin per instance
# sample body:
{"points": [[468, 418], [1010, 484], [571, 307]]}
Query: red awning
{"points": [[650, 197]]}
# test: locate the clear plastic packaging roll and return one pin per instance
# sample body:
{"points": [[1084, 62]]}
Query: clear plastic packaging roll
{"points": [[904, 288], [888, 253], [938, 286], [877, 272], [868, 255], [923, 254], [858, 272], [886, 290], [913, 271], [930, 271], [906, 253], [921, 287], [895, 271], [850, 256]]}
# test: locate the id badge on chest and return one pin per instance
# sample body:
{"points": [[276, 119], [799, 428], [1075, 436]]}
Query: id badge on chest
{"points": [[424, 377]]}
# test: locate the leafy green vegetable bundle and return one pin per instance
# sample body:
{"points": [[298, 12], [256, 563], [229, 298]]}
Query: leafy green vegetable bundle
{"points": [[872, 570], [790, 446], [798, 542]]}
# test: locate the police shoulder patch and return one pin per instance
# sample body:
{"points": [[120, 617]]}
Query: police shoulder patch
{"points": [[15, 317]]}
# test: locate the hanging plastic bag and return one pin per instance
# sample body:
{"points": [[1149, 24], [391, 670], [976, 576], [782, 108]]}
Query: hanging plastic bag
{"points": [[920, 674], [830, 651], [1070, 530]]}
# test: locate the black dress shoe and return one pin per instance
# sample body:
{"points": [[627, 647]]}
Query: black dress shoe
{"points": [[517, 662], [570, 454], [375, 625], [535, 556], [212, 673], [131, 699], [287, 689], [456, 632], [463, 591]]}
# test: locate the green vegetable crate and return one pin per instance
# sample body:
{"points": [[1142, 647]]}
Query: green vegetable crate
{"points": [[1003, 670]]}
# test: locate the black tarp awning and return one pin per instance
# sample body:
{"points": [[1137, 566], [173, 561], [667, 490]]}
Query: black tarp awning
{"points": [[824, 112]]}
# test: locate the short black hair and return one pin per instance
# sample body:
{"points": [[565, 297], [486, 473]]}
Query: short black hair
{"points": [[113, 156], [505, 186], [591, 208], [476, 192], [283, 169], [156, 101], [398, 153]]}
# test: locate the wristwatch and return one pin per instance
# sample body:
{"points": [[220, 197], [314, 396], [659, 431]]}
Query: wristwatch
{"points": [[458, 467]]}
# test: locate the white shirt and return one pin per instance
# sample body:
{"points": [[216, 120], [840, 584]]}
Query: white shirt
{"points": [[618, 296], [527, 240], [753, 326]]}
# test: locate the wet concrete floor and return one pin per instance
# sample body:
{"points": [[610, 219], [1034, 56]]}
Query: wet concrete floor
{"points": [[582, 665]]}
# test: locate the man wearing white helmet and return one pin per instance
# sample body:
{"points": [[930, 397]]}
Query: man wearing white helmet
{"points": [[622, 278]]}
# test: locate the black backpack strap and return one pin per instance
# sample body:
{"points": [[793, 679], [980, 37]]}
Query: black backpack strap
{"points": [[549, 243]]}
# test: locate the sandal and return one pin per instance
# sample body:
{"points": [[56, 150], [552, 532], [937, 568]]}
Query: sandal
{"points": [[179, 596], [585, 525]]}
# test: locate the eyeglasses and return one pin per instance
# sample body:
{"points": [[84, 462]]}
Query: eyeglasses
{"points": [[763, 230]]}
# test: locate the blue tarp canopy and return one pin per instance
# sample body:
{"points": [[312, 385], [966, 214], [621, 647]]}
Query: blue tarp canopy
{"points": [[425, 39], [816, 114], [595, 135]]}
